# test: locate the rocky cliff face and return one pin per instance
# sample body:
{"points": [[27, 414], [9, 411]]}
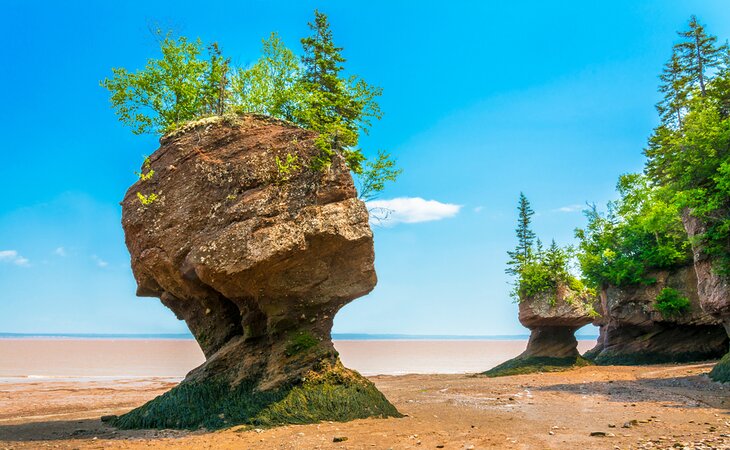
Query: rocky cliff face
{"points": [[553, 319], [256, 257], [633, 331], [713, 291]]}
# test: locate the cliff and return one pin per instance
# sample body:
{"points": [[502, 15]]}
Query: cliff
{"points": [[713, 290], [635, 331]]}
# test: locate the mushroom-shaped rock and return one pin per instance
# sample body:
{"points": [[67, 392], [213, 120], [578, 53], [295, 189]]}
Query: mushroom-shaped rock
{"points": [[712, 288], [552, 318], [634, 330], [256, 252]]}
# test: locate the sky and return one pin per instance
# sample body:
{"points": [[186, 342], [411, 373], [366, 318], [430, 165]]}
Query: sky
{"points": [[482, 100]]}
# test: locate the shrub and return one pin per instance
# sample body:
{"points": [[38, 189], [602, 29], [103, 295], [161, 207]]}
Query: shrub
{"points": [[670, 302]]}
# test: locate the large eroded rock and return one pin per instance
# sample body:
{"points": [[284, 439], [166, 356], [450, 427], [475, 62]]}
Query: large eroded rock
{"points": [[713, 290], [633, 331], [553, 319], [257, 260]]}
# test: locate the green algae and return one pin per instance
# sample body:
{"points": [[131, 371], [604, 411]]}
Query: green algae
{"points": [[330, 392], [721, 371], [536, 364]]}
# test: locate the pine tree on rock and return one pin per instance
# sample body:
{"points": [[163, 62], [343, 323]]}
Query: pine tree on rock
{"points": [[698, 53], [524, 250], [674, 87]]}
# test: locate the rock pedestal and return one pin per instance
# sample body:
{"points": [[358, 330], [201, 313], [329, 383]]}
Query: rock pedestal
{"points": [[256, 252], [553, 319], [633, 331], [713, 290]]}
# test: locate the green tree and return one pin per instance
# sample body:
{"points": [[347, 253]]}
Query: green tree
{"points": [[271, 86], [523, 252], [698, 53], [168, 91], [376, 174], [674, 88], [338, 108]]}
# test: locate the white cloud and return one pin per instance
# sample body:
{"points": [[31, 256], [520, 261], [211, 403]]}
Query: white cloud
{"points": [[569, 208], [12, 257], [478, 209], [60, 251], [99, 262], [410, 210]]}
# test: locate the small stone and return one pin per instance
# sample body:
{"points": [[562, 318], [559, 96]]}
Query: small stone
{"points": [[598, 433], [339, 439], [551, 433], [258, 430], [108, 418], [611, 425], [440, 446]]}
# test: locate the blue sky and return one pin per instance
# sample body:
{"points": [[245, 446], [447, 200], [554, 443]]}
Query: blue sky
{"points": [[482, 100]]}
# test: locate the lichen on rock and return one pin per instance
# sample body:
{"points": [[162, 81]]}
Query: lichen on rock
{"points": [[257, 268], [553, 318]]}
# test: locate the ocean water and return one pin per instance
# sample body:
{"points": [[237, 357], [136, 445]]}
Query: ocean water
{"points": [[33, 358]]}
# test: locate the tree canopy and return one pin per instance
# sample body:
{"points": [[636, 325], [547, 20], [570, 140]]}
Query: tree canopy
{"points": [[191, 81]]}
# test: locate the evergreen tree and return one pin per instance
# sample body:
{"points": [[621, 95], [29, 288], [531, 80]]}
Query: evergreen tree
{"points": [[337, 107], [523, 252], [698, 53], [674, 87]]}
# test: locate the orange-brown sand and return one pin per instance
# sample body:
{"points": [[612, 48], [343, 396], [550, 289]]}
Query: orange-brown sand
{"points": [[666, 406]]}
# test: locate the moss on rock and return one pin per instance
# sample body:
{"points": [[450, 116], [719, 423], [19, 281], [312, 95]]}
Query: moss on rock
{"points": [[608, 358], [721, 371], [536, 364], [330, 392]]}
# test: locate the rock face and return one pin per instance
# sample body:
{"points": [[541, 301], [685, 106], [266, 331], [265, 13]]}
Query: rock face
{"points": [[633, 331], [256, 255], [553, 319], [713, 290]]}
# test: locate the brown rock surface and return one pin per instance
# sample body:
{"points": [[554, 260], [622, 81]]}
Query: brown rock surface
{"points": [[713, 290], [553, 318], [256, 262], [633, 331]]}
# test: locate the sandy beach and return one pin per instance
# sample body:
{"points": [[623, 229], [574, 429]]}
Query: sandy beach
{"points": [[636, 407]]}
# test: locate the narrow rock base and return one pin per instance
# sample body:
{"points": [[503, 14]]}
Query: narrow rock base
{"points": [[328, 392], [535, 364], [659, 344]]}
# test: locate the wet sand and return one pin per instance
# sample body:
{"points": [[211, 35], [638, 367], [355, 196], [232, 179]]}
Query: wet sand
{"points": [[662, 406]]}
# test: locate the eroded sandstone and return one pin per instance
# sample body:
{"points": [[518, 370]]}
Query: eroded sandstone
{"points": [[257, 258], [634, 331]]}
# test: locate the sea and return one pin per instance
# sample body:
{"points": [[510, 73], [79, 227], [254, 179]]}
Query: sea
{"points": [[40, 356]]}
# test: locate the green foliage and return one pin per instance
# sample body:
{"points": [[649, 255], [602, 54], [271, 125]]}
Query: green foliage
{"points": [[376, 174], [525, 238], [670, 302], [179, 87], [147, 200], [689, 159], [287, 167], [313, 92], [147, 172], [721, 371], [271, 86], [330, 392], [300, 342], [641, 231], [536, 364], [537, 270]]}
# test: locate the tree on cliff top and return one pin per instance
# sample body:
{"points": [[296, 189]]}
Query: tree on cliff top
{"points": [[311, 92], [179, 87], [338, 108], [523, 252]]}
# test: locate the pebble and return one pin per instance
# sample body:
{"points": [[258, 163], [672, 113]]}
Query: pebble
{"points": [[339, 439]]}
